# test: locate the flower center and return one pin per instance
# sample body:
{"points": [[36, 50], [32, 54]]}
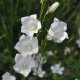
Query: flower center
{"points": [[25, 65], [29, 48], [56, 31], [31, 28]]}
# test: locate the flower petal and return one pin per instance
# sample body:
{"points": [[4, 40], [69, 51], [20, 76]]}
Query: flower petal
{"points": [[22, 37], [26, 72], [34, 16], [56, 20]]}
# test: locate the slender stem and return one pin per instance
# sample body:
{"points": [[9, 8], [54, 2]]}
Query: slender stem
{"points": [[55, 77], [23, 78], [41, 12], [44, 17], [42, 9], [43, 44]]}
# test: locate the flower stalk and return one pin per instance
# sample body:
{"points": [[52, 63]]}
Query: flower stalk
{"points": [[43, 2], [23, 78]]}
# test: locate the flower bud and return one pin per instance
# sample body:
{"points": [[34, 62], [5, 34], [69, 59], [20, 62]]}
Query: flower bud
{"points": [[53, 7]]}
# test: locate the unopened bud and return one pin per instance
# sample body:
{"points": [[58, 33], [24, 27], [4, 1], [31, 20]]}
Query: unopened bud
{"points": [[53, 7]]}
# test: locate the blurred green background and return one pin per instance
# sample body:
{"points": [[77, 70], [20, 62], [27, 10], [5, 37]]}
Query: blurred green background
{"points": [[11, 12]]}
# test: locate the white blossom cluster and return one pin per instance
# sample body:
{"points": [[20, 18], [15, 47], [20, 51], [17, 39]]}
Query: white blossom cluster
{"points": [[28, 46]]}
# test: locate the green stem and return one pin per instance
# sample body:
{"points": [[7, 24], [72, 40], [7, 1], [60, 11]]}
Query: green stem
{"points": [[23, 78], [43, 44], [55, 77], [44, 17], [41, 12], [42, 9]]}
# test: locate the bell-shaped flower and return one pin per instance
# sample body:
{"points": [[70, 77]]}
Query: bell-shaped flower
{"points": [[30, 25], [27, 46], [56, 69], [57, 31], [23, 65], [8, 76]]}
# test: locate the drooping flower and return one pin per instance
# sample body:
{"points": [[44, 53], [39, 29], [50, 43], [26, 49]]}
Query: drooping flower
{"points": [[8, 76], [37, 71], [57, 31], [78, 42], [30, 25], [24, 65], [40, 73], [56, 69], [53, 7], [27, 46]]}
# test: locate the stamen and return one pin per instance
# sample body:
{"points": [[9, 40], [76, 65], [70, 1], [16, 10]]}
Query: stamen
{"points": [[31, 28], [29, 48]]}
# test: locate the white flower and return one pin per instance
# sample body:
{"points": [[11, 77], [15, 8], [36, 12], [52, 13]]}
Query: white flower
{"points": [[7, 76], [22, 37], [27, 46], [57, 31], [49, 53], [30, 25], [57, 69], [24, 65], [40, 73], [38, 68], [53, 7], [78, 42]]}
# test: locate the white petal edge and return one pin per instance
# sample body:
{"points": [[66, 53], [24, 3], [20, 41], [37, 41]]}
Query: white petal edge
{"points": [[13, 78], [56, 20], [65, 35], [17, 57], [64, 24], [39, 25], [23, 29], [42, 74], [22, 37], [61, 70], [24, 18], [26, 72], [34, 16]]}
